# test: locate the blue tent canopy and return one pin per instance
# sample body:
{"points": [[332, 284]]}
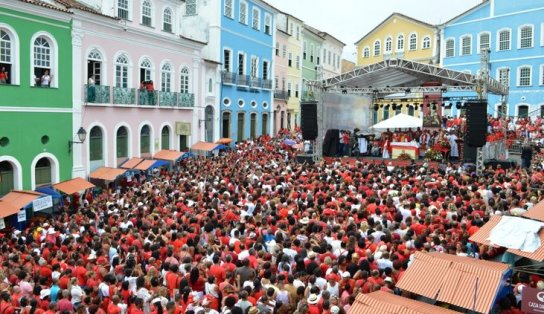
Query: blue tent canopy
{"points": [[49, 191], [220, 147], [159, 163], [187, 155]]}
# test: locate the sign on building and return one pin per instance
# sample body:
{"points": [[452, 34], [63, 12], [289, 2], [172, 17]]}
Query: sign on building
{"points": [[183, 128], [42, 203], [532, 300]]}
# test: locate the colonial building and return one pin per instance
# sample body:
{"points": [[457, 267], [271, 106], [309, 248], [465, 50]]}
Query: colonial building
{"points": [[402, 37], [513, 33], [332, 49], [281, 65], [36, 102], [294, 28], [312, 68]]}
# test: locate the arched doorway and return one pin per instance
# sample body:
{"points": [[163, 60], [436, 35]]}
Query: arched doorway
{"points": [[7, 178], [253, 126], [122, 144], [264, 125], [96, 148], [240, 125], [43, 172], [165, 137], [209, 123], [523, 111], [145, 141], [225, 125]]}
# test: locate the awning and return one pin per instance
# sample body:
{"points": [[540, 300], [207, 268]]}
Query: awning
{"points": [[170, 155], [482, 236], [149, 164], [462, 281], [132, 163], [400, 121], [73, 186], [224, 140], [384, 302], [107, 174], [205, 146], [49, 191], [536, 212], [7, 209]]}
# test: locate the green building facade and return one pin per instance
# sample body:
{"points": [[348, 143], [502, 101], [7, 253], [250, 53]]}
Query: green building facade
{"points": [[36, 95], [311, 56]]}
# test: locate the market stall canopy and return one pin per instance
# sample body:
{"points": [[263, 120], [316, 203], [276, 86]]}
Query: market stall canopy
{"points": [[12, 202], [148, 164], [107, 174], [206, 147], [482, 236], [224, 140], [73, 186], [400, 121], [462, 281], [170, 155], [132, 163], [384, 302], [536, 212]]}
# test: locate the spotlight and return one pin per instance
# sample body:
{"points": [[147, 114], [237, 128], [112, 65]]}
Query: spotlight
{"points": [[394, 105]]}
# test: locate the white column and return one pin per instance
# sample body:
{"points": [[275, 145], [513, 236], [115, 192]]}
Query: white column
{"points": [[78, 169], [196, 134]]}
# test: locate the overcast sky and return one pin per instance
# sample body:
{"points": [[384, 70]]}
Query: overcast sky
{"points": [[349, 20]]}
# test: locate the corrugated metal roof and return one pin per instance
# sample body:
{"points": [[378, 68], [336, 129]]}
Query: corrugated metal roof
{"points": [[536, 212], [384, 302], [482, 235], [461, 281]]}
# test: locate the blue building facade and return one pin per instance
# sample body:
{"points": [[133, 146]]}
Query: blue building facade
{"points": [[247, 37], [513, 31]]}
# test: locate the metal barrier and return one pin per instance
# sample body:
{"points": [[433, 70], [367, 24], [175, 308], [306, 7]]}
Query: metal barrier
{"points": [[495, 150]]}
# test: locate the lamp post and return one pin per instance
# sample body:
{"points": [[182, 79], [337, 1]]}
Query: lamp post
{"points": [[81, 135]]}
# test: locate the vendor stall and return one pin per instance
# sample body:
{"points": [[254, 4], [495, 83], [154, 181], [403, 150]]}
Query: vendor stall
{"points": [[106, 177], [171, 156], [205, 148], [17, 207]]}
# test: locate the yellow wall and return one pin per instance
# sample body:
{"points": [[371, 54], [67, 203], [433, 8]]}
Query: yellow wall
{"points": [[392, 113], [393, 27]]}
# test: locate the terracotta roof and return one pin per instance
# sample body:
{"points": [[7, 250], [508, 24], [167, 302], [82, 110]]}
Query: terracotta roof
{"points": [[536, 212], [132, 163], [483, 233], [204, 146], [383, 302], [73, 186], [107, 174], [144, 165], [73, 4], [7, 209], [462, 281], [21, 198], [46, 5], [170, 155], [390, 16]]}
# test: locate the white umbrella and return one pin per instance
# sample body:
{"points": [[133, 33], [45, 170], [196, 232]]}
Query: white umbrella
{"points": [[400, 121]]}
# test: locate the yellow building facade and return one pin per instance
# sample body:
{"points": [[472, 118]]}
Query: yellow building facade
{"points": [[294, 70], [399, 37]]}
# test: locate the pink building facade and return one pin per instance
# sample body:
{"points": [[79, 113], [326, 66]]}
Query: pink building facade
{"points": [[280, 71], [139, 87]]}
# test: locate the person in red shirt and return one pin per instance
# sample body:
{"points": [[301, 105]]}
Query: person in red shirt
{"points": [[113, 308], [5, 303], [216, 270]]}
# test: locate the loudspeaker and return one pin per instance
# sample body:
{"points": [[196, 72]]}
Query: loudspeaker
{"points": [[469, 153], [309, 159], [476, 123], [330, 143], [308, 120]]}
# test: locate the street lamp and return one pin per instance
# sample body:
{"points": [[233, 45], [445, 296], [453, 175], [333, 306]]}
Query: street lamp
{"points": [[82, 135]]}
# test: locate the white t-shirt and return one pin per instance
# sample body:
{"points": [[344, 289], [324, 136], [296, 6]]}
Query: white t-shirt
{"points": [[77, 294]]}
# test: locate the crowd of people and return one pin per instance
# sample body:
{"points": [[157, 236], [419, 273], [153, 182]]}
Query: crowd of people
{"points": [[253, 231]]}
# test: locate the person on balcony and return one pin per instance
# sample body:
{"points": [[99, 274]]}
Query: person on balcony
{"points": [[45, 81], [91, 90], [3, 76], [150, 93]]}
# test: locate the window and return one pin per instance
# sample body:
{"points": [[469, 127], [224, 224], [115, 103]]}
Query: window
{"points": [[388, 45], [256, 22], [485, 41], [329, 58], [289, 89], [228, 11], [541, 75], [466, 45], [290, 61], [524, 76], [145, 70], [265, 70], [254, 67], [96, 151], [167, 20], [298, 32], [400, 42], [43, 61], [413, 41], [450, 48], [94, 66], [296, 90], [366, 52], [122, 142], [5, 47], [268, 24], [377, 48], [121, 71], [184, 81], [311, 53], [426, 42], [304, 50], [504, 76], [504, 40], [145, 140], [243, 12], [298, 62], [166, 78], [277, 49], [210, 86], [227, 60], [523, 111], [122, 9], [284, 51], [241, 61], [190, 7], [146, 13], [526, 37], [165, 137]]}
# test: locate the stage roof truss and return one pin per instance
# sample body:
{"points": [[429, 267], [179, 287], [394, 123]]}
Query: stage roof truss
{"points": [[398, 75]]}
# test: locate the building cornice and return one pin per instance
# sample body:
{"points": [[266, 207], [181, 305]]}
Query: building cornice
{"points": [[42, 11]]}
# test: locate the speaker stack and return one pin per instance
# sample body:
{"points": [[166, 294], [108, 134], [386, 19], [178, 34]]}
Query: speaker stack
{"points": [[308, 120], [476, 123]]}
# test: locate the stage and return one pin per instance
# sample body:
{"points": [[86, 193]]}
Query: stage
{"points": [[380, 161]]}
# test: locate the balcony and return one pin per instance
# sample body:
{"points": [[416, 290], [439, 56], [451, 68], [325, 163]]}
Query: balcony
{"points": [[267, 84], [228, 77], [107, 95], [255, 83], [243, 80], [280, 94]]}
